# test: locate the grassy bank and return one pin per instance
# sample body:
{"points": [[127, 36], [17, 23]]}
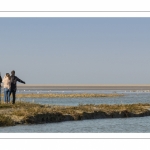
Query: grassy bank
{"points": [[31, 113], [63, 95]]}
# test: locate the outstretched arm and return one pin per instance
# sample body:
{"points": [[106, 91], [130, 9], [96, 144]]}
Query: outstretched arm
{"points": [[19, 80]]}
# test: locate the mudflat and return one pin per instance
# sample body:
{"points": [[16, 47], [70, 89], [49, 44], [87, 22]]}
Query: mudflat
{"points": [[85, 86]]}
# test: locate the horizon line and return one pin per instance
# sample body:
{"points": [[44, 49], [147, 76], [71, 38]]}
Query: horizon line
{"points": [[83, 84]]}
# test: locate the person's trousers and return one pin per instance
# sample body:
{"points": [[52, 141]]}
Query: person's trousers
{"points": [[0, 92], [6, 95], [13, 92]]}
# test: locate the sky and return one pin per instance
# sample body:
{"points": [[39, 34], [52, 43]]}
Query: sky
{"points": [[76, 50]]}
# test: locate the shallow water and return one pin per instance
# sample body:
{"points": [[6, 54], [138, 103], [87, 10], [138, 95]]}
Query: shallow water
{"points": [[128, 98], [114, 125]]}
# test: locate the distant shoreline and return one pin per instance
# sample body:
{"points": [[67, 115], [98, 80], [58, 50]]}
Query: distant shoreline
{"points": [[85, 86]]}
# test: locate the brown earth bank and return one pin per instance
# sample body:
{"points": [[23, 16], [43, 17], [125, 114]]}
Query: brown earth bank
{"points": [[31, 113]]}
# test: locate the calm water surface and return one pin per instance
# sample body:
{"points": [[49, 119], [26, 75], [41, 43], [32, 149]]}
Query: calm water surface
{"points": [[128, 98], [114, 125], [123, 125]]}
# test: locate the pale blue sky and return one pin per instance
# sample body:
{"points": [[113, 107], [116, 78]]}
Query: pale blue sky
{"points": [[76, 50]]}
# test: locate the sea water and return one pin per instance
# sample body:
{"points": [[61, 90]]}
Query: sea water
{"points": [[113, 125]]}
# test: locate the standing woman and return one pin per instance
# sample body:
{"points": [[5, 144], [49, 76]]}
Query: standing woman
{"points": [[6, 82]]}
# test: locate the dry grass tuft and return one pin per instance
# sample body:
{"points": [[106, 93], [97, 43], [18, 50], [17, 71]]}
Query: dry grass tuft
{"points": [[6, 121]]}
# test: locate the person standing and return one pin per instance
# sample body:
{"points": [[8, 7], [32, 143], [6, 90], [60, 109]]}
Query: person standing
{"points": [[0, 79], [14, 80], [6, 82], [0, 86]]}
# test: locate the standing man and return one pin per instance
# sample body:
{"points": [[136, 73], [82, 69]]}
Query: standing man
{"points": [[13, 81], [0, 86]]}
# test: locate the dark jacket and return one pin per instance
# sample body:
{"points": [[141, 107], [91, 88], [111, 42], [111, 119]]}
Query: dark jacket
{"points": [[0, 79], [13, 81]]}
